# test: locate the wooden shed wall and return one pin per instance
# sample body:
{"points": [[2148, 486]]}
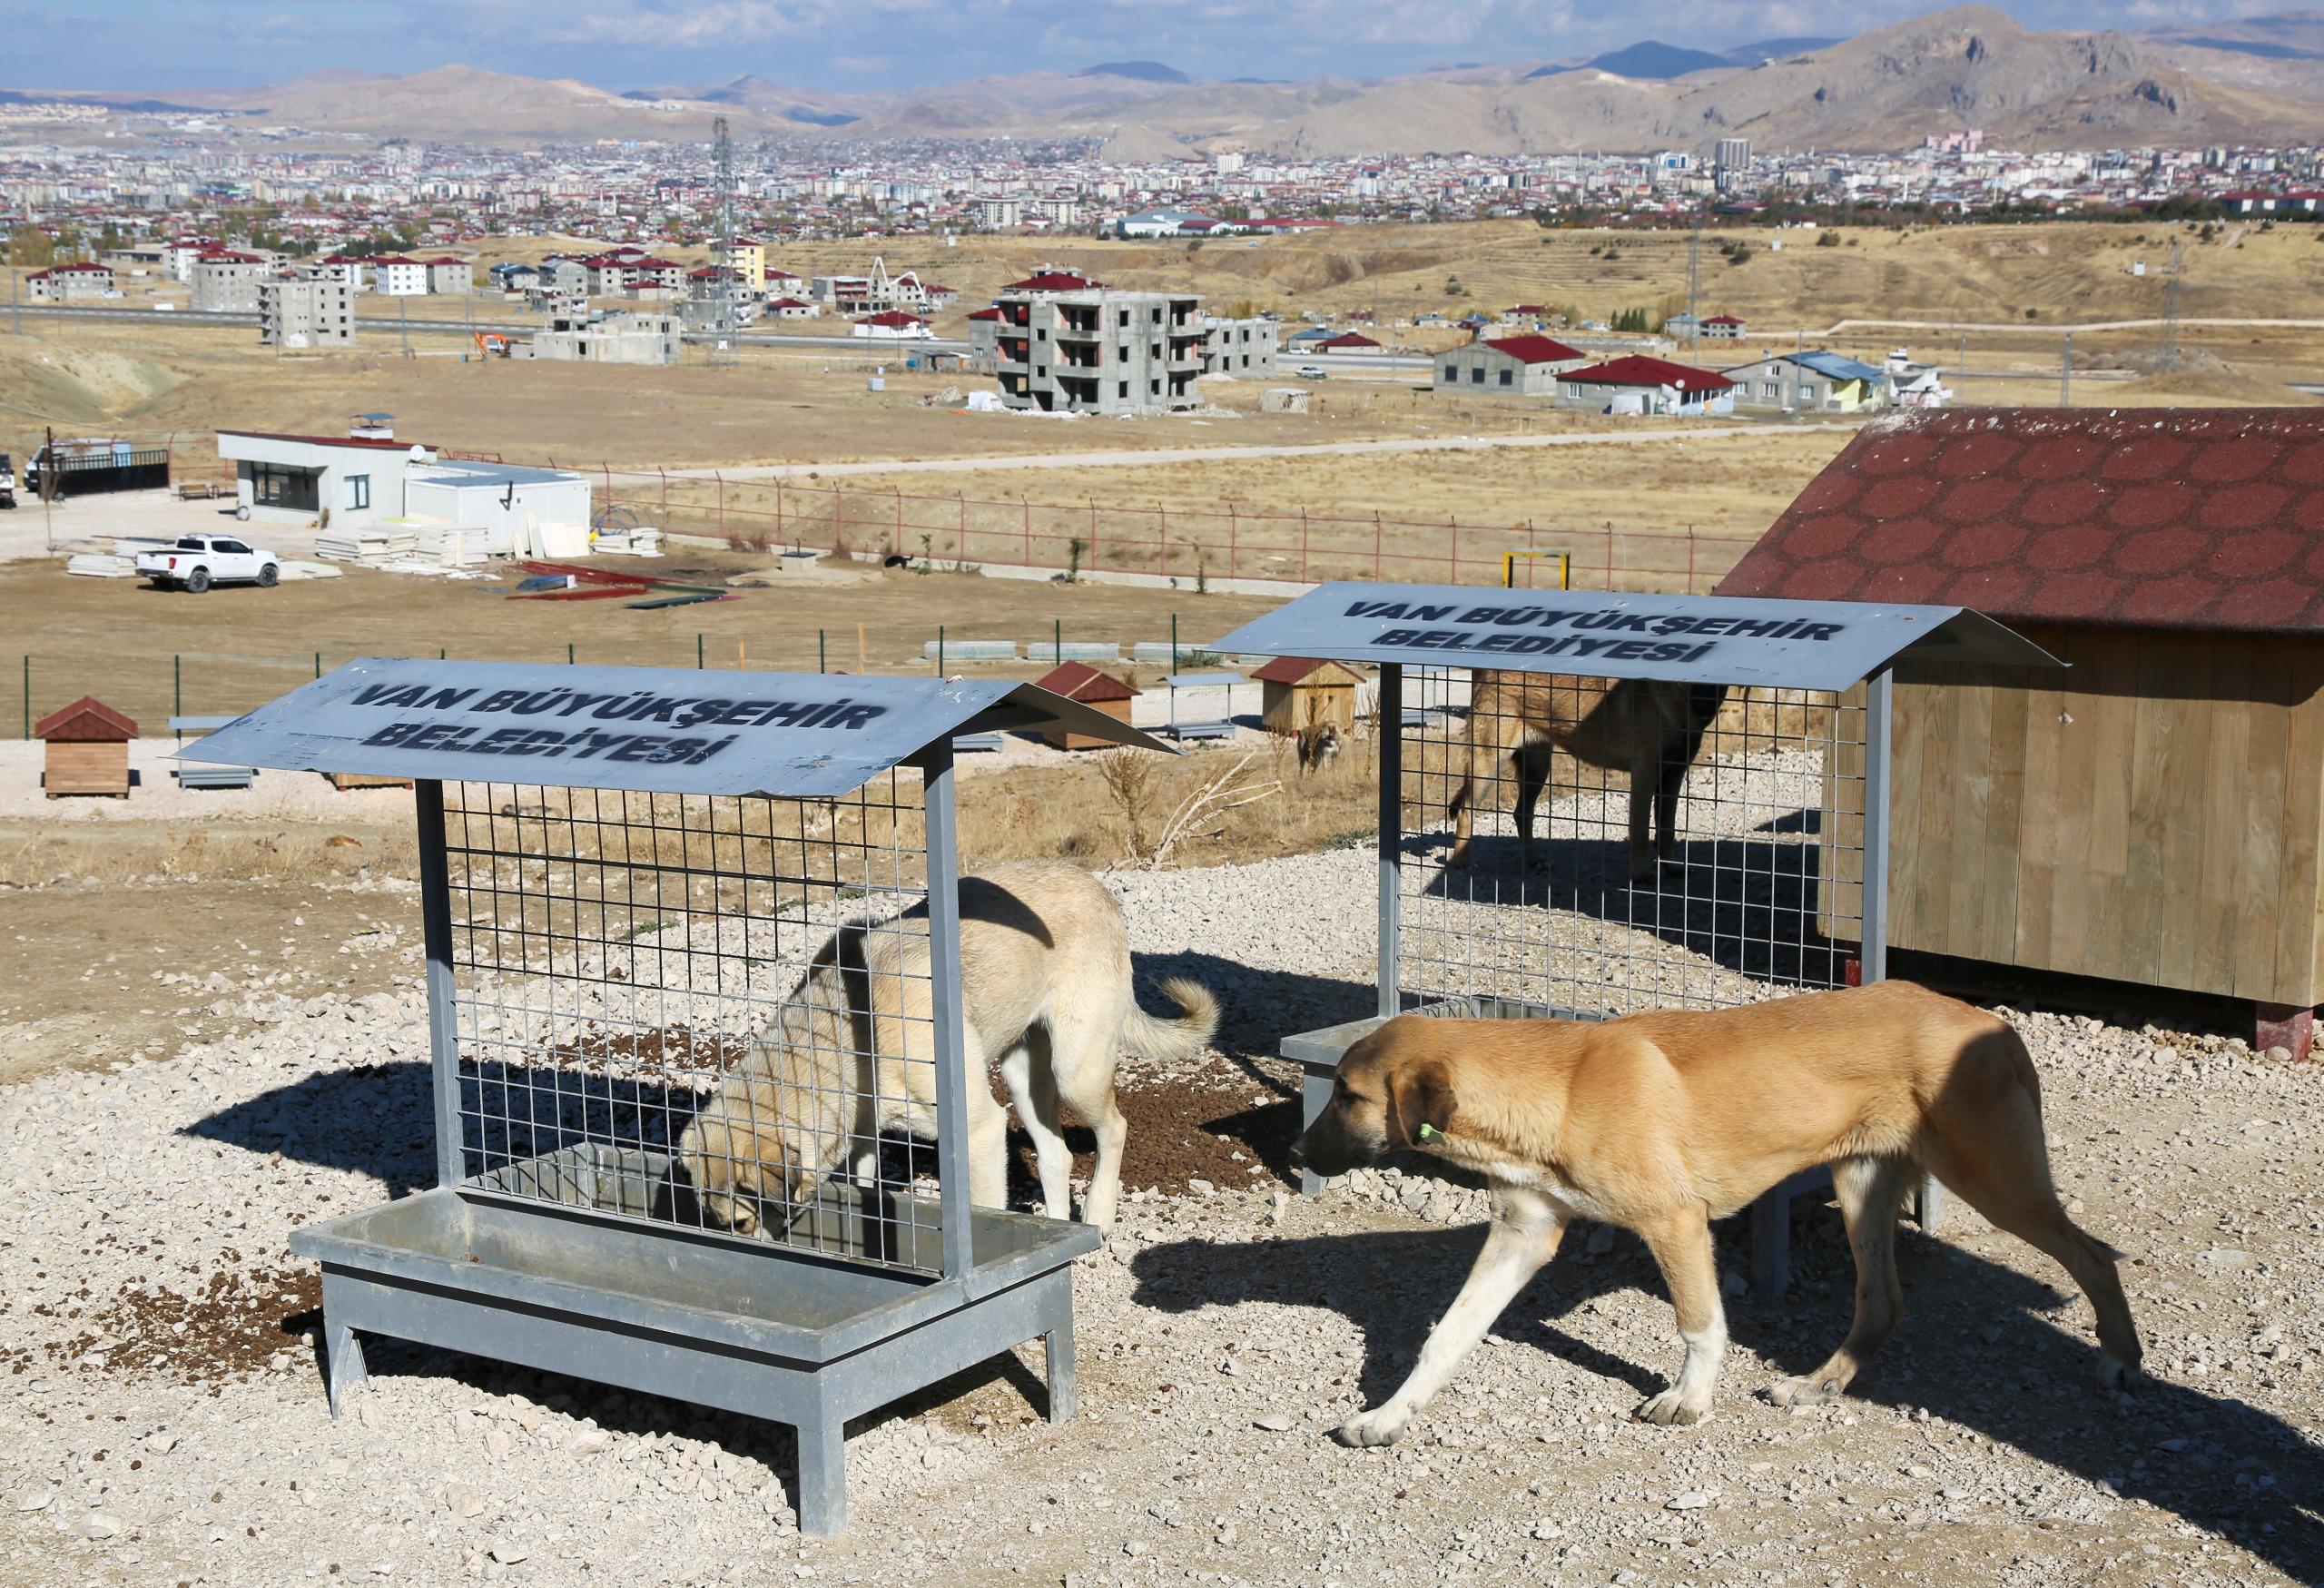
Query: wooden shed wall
{"points": [[2154, 815], [86, 767], [1292, 708], [1116, 709]]}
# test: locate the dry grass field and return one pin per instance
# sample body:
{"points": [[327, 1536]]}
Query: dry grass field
{"points": [[117, 638]]}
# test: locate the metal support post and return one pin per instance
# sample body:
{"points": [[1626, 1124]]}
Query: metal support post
{"points": [[947, 1006], [1391, 739], [443, 1014]]}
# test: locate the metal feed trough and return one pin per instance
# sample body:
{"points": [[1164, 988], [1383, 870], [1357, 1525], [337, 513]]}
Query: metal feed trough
{"points": [[1592, 805], [634, 881]]}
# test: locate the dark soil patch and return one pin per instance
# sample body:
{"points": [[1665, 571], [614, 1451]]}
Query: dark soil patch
{"points": [[1217, 1126], [234, 1326]]}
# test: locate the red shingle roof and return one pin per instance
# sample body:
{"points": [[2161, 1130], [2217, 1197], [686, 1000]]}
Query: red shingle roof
{"points": [[1080, 681], [1534, 350], [1348, 338], [1722, 319], [2189, 518], [984, 314], [892, 317], [1050, 281], [88, 721], [1299, 669], [1637, 370]]}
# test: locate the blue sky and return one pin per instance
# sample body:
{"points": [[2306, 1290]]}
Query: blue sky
{"points": [[156, 45]]}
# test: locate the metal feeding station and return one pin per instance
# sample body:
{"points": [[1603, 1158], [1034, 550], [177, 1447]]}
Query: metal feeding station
{"points": [[634, 883], [1594, 803]]}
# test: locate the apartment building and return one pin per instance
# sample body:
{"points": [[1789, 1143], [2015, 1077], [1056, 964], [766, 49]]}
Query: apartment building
{"points": [[1099, 351], [447, 274], [69, 284], [1241, 349], [394, 276], [313, 308], [225, 282]]}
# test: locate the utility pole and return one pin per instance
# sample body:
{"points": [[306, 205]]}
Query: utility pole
{"points": [[2168, 359], [403, 325], [2066, 375], [724, 319], [1694, 283], [50, 477]]}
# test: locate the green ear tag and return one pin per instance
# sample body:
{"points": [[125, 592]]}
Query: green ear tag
{"points": [[1427, 1131]]}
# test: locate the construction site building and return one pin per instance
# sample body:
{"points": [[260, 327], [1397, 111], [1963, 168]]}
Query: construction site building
{"points": [[614, 338], [1241, 349], [226, 282], [313, 308], [1099, 351]]}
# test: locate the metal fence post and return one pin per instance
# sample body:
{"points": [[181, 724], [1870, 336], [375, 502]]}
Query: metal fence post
{"points": [[1873, 951], [947, 1006], [698, 658], [318, 664], [1057, 641], [568, 652], [940, 650], [821, 665], [443, 1020], [1389, 738], [177, 685], [28, 695]]}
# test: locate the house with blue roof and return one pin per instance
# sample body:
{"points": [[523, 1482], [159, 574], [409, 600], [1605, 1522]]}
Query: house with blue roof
{"points": [[1815, 381]]}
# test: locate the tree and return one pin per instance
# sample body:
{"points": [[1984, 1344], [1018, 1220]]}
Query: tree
{"points": [[30, 248]]}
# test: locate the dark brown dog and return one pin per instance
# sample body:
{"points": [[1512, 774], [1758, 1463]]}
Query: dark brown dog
{"points": [[1663, 1122]]}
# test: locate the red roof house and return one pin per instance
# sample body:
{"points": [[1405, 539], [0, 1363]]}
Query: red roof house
{"points": [[1536, 350], [1347, 341], [2155, 816], [1298, 693], [1080, 681], [87, 749]]}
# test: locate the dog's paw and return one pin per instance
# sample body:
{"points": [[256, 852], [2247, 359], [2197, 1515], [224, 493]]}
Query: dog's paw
{"points": [[1803, 1391], [1369, 1431], [1672, 1407]]}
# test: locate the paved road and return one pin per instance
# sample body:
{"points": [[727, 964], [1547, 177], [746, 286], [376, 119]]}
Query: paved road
{"points": [[381, 325], [1141, 457]]}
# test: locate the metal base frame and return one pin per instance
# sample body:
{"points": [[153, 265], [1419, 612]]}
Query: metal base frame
{"points": [[1318, 1055], [762, 1332]]}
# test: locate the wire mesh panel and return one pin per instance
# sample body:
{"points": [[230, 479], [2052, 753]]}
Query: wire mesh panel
{"points": [[1583, 846], [708, 1010]]}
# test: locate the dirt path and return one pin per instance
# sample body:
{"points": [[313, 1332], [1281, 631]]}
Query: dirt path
{"points": [[1124, 457], [165, 1421]]}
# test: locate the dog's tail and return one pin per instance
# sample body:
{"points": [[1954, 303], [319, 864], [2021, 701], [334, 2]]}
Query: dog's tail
{"points": [[1167, 1041]]}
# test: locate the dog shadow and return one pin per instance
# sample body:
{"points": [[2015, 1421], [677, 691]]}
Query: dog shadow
{"points": [[1982, 1345]]}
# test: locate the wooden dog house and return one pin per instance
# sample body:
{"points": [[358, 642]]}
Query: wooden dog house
{"points": [[1099, 691], [88, 749], [2156, 814], [1299, 693]]}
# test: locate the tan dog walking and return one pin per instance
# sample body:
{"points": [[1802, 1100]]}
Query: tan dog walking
{"points": [[1662, 1122]]}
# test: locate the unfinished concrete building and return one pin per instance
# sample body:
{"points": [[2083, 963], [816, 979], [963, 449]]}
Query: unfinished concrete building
{"points": [[313, 308], [226, 282], [1241, 349], [615, 338], [1099, 351]]}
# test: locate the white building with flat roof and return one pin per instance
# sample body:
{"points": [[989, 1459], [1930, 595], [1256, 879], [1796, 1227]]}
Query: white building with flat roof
{"points": [[292, 480]]}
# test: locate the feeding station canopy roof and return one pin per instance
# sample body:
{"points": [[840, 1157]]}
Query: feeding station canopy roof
{"points": [[660, 730], [1705, 640]]}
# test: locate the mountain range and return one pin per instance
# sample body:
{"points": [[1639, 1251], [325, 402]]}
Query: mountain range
{"points": [[2258, 80]]}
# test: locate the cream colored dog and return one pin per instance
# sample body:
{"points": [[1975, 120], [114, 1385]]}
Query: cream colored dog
{"points": [[1663, 1122], [1045, 979]]}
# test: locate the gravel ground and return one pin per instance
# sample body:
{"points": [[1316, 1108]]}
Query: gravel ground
{"points": [[166, 1420]]}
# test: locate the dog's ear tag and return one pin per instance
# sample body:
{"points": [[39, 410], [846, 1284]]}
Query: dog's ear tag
{"points": [[1427, 1131]]}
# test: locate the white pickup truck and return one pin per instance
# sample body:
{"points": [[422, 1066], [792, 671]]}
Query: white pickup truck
{"points": [[199, 561]]}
